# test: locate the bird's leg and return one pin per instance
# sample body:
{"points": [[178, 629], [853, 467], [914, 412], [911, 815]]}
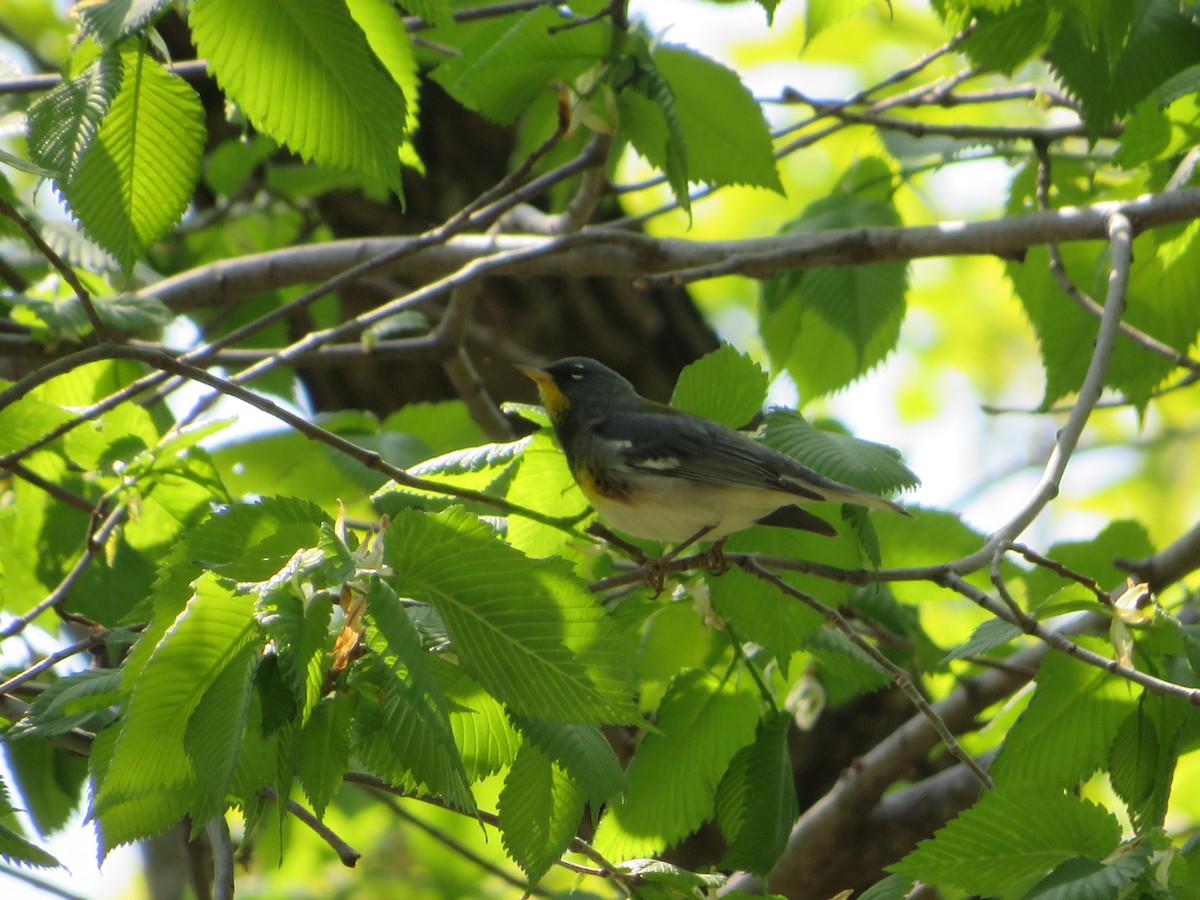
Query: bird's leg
{"points": [[714, 558], [633, 551], [656, 570]]}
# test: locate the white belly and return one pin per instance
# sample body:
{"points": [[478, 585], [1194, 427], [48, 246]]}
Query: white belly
{"points": [[678, 514]]}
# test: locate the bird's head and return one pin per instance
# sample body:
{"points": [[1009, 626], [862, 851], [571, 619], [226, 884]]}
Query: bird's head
{"points": [[581, 387]]}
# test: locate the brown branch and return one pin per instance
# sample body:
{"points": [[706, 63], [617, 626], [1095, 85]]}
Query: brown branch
{"points": [[189, 70], [1168, 566], [816, 854], [602, 251]]}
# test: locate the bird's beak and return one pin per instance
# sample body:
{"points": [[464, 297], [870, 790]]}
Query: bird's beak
{"points": [[538, 377]]}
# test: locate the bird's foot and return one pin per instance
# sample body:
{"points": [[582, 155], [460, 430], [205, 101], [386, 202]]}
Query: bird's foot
{"points": [[714, 558]]}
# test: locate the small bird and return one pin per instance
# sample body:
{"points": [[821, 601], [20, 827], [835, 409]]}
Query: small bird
{"points": [[658, 473]]}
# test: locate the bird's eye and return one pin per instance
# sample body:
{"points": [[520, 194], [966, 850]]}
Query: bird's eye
{"points": [[577, 372]]}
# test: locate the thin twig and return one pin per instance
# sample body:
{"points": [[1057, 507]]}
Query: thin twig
{"points": [[369, 458], [1063, 644], [75, 741], [900, 677], [59, 264], [459, 847], [577, 845], [1060, 569], [473, 14], [57, 491], [92, 640], [1121, 254], [40, 884], [348, 855], [1080, 297], [96, 538]]}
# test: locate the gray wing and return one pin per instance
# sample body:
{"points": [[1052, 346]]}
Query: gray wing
{"points": [[700, 450]]}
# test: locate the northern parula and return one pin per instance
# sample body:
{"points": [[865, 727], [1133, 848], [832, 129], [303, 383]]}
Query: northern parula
{"points": [[658, 473]]}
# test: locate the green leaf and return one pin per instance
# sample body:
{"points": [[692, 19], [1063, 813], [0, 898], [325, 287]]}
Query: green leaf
{"points": [[1144, 755], [488, 467], [650, 120], [392, 46], [988, 635], [845, 669], [435, 12], [51, 782], [862, 464], [1005, 39], [662, 880], [728, 141], [543, 482], [822, 14], [63, 122], [725, 137], [1065, 732], [1082, 878], [150, 753], [1109, 77], [70, 701], [508, 62], [1009, 840], [305, 74], [725, 385], [116, 437], [215, 731], [109, 21], [763, 614], [27, 420], [323, 750], [137, 175], [254, 541], [830, 325], [539, 809], [486, 739], [299, 635], [413, 729], [676, 769], [439, 427], [756, 803], [894, 887], [14, 847], [1147, 134], [582, 751], [285, 462], [131, 817], [528, 630]]}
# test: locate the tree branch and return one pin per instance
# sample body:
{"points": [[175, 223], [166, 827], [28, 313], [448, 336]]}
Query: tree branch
{"points": [[602, 251], [899, 677], [838, 820], [1121, 251]]}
